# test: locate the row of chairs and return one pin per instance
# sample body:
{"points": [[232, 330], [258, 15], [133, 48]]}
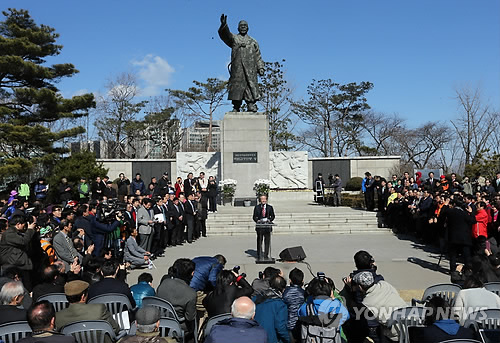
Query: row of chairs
{"points": [[120, 308], [449, 291], [414, 316]]}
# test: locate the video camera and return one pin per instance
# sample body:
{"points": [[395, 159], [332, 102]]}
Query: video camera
{"points": [[109, 210]]}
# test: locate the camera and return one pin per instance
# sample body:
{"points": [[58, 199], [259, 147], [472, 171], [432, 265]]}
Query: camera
{"points": [[109, 210]]}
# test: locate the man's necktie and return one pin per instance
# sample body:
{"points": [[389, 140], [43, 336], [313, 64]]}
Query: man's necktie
{"points": [[264, 211], [70, 246]]}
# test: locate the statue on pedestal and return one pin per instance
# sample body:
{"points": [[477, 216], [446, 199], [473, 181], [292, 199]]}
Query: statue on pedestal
{"points": [[246, 63]]}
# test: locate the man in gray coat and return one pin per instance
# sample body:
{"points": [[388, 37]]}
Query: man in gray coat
{"points": [[133, 253], [145, 221], [63, 245]]}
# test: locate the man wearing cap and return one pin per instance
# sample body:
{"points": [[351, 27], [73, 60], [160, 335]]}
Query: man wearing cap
{"points": [[109, 191], [76, 293], [148, 322], [380, 298]]}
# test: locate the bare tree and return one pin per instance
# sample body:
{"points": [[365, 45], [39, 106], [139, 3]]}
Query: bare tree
{"points": [[474, 124], [382, 129], [117, 108], [202, 101], [420, 146]]}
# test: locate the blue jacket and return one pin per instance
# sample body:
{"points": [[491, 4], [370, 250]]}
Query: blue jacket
{"points": [[293, 296], [363, 187], [99, 231], [237, 329], [138, 185], [272, 315], [206, 270], [324, 304], [141, 290]]}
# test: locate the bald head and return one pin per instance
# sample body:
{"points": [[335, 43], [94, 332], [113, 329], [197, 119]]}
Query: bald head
{"points": [[243, 307]]}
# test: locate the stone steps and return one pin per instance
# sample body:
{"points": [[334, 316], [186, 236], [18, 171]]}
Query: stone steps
{"points": [[295, 220]]}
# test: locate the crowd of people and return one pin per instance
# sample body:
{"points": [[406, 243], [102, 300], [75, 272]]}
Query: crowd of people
{"points": [[124, 218], [460, 217], [269, 309]]}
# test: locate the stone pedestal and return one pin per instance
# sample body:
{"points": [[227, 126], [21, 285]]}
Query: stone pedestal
{"points": [[245, 150]]}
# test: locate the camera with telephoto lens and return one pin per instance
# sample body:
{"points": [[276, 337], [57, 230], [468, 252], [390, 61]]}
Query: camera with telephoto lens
{"points": [[236, 269], [109, 210]]}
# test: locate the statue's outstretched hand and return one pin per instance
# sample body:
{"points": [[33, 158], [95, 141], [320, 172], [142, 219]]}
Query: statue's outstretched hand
{"points": [[223, 19]]}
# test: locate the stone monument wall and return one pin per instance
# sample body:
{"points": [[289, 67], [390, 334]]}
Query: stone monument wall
{"points": [[288, 169], [196, 162]]}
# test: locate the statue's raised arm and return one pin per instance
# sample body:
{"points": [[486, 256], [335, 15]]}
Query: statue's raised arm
{"points": [[246, 64]]}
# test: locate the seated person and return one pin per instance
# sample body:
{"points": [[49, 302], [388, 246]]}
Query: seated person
{"points": [[41, 319], [380, 298], [228, 288], [321, 294], [242, 325], [133, 253], [439, 327], [109, 283], [473, 297], [272, 313], [11, 296], [78, 310], [52, 283], [148, 322], [261, 284], [174, 288], [293, 296], [143, 288]]}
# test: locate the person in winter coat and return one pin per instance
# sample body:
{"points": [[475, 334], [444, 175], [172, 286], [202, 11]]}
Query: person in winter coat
{"points": [[322, 297], [100, 230], [137, 185], [480, 228], [293, 296], [272, 313], [380, 299], [241, 327], [230, 286], [460, 223], [14, 244], [143, 288], [440, 326], [206, 271]]}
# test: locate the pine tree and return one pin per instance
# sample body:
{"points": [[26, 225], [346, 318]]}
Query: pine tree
{"points": [[29, 100]]}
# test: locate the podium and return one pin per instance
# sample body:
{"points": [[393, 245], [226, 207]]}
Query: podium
{"points": [[265, 227]]}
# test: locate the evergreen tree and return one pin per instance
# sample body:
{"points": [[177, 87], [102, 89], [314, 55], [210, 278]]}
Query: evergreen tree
{"points": [[29, 99]]}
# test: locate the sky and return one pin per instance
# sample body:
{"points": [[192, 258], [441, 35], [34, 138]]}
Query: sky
{"points": [[414, 52]]}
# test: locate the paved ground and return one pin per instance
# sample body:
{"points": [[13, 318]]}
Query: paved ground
{"points": [[409, 266]]}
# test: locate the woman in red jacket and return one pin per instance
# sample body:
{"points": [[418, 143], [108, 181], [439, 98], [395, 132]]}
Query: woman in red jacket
{"points": [[481, 226]]}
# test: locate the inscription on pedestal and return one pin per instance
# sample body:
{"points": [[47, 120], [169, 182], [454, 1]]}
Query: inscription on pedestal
{"points": [[245, 157]]}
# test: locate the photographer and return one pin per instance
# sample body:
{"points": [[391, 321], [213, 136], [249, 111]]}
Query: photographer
{"points": [[229, 287], [321, 299], [100, 230], [14, 247]]}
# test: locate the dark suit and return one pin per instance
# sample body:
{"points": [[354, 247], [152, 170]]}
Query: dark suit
{"points": [[178, 231], [188, 188], [190, 213], [110, 285], [78, 311], [159, 234], [10, 313], [263, 233], [459, 226]]}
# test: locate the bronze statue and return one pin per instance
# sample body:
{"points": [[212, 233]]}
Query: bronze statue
{"points": [[246, 63]]}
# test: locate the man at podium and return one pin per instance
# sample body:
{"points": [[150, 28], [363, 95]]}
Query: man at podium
{"points": [[263, 214]]}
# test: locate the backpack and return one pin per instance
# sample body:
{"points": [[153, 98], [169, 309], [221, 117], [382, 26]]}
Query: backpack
{"points": [[321, 328]]}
